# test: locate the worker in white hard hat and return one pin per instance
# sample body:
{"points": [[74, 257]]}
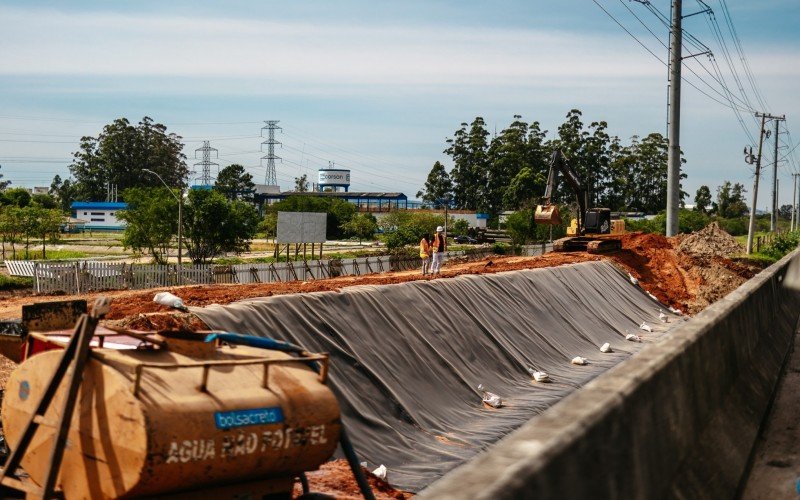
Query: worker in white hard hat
{"points": [[438, 247]]}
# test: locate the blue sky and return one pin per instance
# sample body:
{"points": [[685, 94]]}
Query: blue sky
{"points": [[373, 86]]}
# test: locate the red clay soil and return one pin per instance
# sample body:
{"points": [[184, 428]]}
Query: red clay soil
{"points": [[686, 281], [336, 479]]}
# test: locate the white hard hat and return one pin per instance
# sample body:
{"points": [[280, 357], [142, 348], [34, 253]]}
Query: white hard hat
{"points": [[439, 229]]}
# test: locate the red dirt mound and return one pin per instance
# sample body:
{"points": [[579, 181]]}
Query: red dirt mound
{"points": [[336, 479]]}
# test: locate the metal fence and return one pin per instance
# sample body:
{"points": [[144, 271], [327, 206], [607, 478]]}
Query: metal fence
{"points": [[85, 276]]}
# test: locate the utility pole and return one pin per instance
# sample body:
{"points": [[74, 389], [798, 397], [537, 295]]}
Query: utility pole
{"points": [[752, 227], [271, 177], [795, 215], [205, 163], [773, 222], [674, 151], [794, 201]]}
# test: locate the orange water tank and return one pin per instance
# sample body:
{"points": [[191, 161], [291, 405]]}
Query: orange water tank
{"points": [[167, 420]]}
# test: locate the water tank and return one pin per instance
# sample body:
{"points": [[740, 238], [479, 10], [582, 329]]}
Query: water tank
{"points": [[334, 178], [190, 416]]}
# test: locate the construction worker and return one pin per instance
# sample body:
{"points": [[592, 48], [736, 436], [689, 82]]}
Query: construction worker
{"points": [[425, 254], [439, 246]]}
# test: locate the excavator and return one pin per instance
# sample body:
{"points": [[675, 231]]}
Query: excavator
{"points": [[591, 226]]}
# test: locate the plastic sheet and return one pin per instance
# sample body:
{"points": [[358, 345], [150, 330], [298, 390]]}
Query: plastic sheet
{"points": [[406, 359]]}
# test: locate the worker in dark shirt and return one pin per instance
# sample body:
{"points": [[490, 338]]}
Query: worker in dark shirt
{"points": [[438, 247]]}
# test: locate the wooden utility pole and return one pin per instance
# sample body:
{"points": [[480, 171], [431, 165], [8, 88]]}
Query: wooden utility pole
{"points": [[752, 227], [674, 151]]}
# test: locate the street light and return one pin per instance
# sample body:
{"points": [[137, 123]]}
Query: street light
{"points": [[180, 217]]}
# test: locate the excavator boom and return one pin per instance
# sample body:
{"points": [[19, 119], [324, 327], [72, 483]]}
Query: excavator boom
{"points": [[547, 212]]}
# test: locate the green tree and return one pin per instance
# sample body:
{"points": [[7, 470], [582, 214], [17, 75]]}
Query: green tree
{"points": [[235, 224], [29, 225], [508, 154], [731, 200], [723, 200], [404, 227], [437, 187], [151, 221], [44, 200], [301, 184], [702, 199], [520, 227], [738, 206], [362, 226], [269, 225], [10, 227], [120, 152], [234, 183], [523, 189], [63, 191], [468, 149], [785, 212], [18, 197], [3, 184], [458, 227], [48, 227], [587, 151]]}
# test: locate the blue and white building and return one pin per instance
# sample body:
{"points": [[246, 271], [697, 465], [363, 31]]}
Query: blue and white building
{"points": [[101, 215]]}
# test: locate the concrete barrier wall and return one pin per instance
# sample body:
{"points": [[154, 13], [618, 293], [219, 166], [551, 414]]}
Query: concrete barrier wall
{"points": [[678, 420]]}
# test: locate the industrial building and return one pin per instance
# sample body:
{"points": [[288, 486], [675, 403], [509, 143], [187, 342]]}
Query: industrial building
{"points": [[101, 215]]}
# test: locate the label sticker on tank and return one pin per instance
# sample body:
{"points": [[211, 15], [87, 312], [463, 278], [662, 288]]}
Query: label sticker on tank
{"points": [[24, 390], [242, 418]]}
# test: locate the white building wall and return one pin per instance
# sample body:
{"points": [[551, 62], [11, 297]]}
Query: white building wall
{"points": [[100, 218]]}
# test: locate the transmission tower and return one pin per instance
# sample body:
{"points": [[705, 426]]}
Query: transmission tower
{"points": [[205, 163], [271, 178]]}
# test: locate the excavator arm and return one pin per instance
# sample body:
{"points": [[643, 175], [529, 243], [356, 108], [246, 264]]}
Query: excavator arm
{"points": [[547, 213]]}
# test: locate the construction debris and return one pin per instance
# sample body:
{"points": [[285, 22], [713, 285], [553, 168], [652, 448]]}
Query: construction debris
{"points": [[711, 241], [577, 360]]}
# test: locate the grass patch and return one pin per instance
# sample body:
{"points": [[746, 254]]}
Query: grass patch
{"points": [[15, 282], [52, 254], [759, 259]]}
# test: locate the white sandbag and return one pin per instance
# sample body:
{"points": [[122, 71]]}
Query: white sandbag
{"points": [[169, 300], [577, 360]]}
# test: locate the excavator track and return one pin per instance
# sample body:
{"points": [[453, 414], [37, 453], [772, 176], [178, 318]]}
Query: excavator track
{"points": [[587, 244]]}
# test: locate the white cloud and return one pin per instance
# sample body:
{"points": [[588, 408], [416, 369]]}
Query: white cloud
{"points": [[38, 42]]}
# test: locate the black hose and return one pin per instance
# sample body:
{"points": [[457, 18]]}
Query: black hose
{"points": [[355, 465], [304, 483]]}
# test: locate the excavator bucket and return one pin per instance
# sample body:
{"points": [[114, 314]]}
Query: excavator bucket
{"points": [[547, 215]]}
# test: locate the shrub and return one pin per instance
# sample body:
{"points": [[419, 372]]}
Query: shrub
{"points": [[782, 244], [734, 227]]}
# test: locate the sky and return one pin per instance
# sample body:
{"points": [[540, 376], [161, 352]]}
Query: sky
{"points": [[378, 86]]}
